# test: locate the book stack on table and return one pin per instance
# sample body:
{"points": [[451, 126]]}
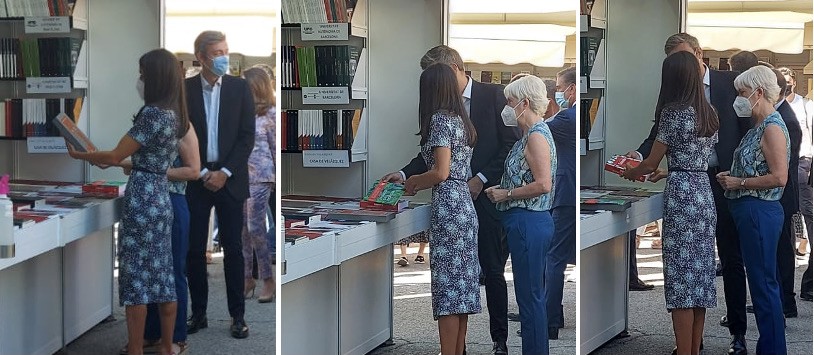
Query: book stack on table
{"points": [[36, 201], [606, 198]]}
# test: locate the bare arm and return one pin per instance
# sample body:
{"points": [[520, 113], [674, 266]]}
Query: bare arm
{"points": [[434, 176], [650, 164], [190, 158], [773, 145], [126, 147], [538, 156]]}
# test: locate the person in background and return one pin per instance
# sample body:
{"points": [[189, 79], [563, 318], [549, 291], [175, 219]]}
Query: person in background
{"points": [[687, 133], [525, 198], [553, 107], [804, 111], [273, 197], [753, 187], [261, 186], [447, 141], [145, 235], [563, 249], [222, 110], [742, 61], [483, 103], [422, 240], [720, 92]]}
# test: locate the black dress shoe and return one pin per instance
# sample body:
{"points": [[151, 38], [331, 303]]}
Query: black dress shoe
{"points": [[500, 348], [738, 345], [724, 322], [675, 350], [553, 333], [806, 296], [514, 317], [239, 329], [196, 323], [639, 285]]}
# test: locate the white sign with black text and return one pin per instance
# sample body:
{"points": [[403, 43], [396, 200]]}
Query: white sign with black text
{"points": [[48, 85], [324, 31], [47, 24], [325, 158], [326, 96], [46, 145]]}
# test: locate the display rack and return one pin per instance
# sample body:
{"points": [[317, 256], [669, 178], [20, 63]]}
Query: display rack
{"points": [[352, 271], [60, 282]]}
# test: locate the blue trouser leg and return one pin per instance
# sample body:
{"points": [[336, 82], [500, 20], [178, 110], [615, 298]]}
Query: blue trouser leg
{"points": [[759, 223], [562, 251], [180, 245], [529, 236]]}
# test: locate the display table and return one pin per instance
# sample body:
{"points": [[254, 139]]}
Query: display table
{"points": [[338, 288], [60, 282], [603, 268]]}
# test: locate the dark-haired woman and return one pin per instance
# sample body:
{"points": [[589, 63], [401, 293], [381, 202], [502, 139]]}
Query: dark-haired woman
{"points": [[145, 250], [687, 133], [447, 140]]}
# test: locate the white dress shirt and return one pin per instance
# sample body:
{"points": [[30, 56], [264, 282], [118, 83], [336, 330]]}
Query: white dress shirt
{"points": [[211, 99]]}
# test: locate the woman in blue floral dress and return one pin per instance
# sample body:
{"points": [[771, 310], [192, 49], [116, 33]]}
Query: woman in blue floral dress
{"points": [[687, 133], [145, 249], [447, 140]]}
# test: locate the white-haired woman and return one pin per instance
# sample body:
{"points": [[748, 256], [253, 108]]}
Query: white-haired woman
{"points": [[525, 196], [753, 186]]}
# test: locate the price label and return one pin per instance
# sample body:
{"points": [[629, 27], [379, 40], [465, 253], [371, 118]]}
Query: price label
{"points": [[325, 159], [48, 85], [38, 145], [47, 24], [326, 96], [324, 31]]}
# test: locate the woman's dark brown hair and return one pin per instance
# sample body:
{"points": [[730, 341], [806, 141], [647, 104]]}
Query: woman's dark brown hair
{"points": [[163, 79], [438, 92], [260, 84], [681, 87]]}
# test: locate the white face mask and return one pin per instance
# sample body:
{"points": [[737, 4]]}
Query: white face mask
{"points": [[508, 115], [140, 88], [742, 106]]}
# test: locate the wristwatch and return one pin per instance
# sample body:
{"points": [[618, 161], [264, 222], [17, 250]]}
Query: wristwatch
{"points": [[509, 194], [743, 183]]}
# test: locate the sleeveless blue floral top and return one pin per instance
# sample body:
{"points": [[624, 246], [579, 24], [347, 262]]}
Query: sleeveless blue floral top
{"points": [[749, 161], [517, 173]]}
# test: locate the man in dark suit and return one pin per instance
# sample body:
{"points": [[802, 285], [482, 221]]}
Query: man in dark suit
{"points": [[221, 107], [719, 89], [563, 247], [483, 102], [786, 261]]}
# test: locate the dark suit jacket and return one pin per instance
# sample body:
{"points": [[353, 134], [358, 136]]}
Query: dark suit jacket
{"points": [[790, 198], [495, 140], [732, 128], [563, 128], [235, 130]]}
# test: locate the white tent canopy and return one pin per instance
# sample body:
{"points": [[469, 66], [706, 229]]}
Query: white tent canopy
{"points": [[776, 31], [539, 45], [248, 24]]}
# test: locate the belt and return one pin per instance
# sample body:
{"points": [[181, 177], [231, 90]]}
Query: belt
{"points": [[148, 171], [670, 170]]}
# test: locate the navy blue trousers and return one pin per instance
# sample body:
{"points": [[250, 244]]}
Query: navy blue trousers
{"points": [[562, 251]]}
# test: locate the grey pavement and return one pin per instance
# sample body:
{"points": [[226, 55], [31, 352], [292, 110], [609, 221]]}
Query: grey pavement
{"points": [[110, 336], [651, 328], [416, 333]]}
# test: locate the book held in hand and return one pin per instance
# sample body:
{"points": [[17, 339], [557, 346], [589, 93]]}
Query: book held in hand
{"points": [[384, 196], [618, 164], [68, 129]]}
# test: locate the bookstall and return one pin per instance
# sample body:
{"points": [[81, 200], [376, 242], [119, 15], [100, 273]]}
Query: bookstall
{"points": [[58, 283], [349, 89], [617, 109]]}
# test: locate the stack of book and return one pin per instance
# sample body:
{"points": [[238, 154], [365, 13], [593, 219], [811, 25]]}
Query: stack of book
{"points": [[319, 129], [38, 57], [21, 118], [385, 196], [22, 8], [317, 11], [318, 66], [103, 188]]}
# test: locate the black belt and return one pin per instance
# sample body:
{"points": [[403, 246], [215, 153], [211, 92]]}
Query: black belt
{"points": [[670, 170], [148, 171]]}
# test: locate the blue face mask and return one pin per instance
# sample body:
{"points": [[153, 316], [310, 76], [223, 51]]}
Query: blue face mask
{"points": [[559, 97], [220, 65]]}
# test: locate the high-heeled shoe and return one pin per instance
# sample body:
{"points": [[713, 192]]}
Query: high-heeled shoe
{"points": [[266, 299], [248, 291]]}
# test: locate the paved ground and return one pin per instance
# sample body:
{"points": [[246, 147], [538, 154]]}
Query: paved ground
{"points": [[417, 334], [109, 337], [651, 330]]}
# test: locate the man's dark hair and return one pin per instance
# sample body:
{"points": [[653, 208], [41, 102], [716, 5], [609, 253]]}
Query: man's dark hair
{"points": [[742, 61], [550, 88], [569, 75]]}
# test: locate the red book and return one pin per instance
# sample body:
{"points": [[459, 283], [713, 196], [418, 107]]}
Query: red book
{"points": [[618, 164]]}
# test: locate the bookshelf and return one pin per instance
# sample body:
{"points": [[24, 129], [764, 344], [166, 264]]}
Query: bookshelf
{"points": [[352, 270], [592, 81], [61, 280]]}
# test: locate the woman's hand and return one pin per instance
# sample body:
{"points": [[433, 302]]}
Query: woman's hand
{"points": [[73, 152], [728, 182], [411, 186], [657, 175], [496, 194], [630, 173]]}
